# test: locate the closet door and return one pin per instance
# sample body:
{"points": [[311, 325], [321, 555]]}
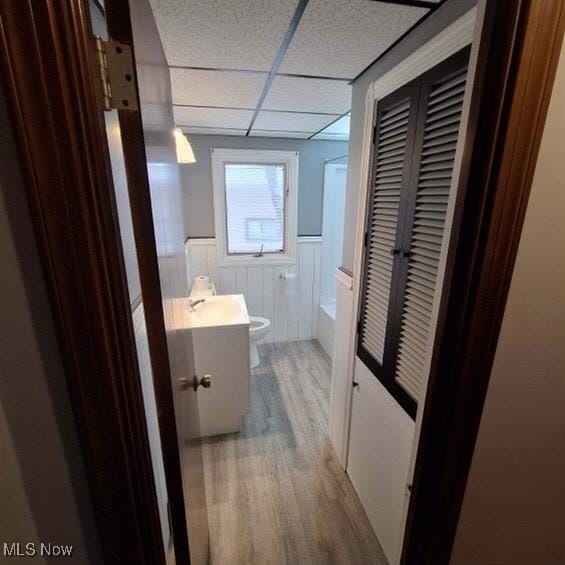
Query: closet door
{"points": [[393, 145], [416, 133], [441, 101]]}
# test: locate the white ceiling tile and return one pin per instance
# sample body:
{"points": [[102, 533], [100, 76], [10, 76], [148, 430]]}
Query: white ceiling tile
{"points": [[308, 95], [285, 134], [339, 127], [213, 88], [212, 117], [340, 38], [287, 121], [214, 131], [330, 137], [224, 35]]}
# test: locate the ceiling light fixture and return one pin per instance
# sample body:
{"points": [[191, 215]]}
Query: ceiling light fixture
{"points": [[185, 154]]}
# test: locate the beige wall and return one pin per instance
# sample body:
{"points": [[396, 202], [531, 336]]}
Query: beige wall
{"points": [[43, 490], [514, 507]]}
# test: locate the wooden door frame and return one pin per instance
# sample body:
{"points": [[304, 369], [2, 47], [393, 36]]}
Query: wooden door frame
{"points": [[47, 62], [46, 67], [516, 64]]}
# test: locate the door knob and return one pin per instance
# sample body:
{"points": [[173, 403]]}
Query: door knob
{"points": [[186, 383]]}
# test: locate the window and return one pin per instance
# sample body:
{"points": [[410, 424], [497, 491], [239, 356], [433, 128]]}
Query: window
{"points": [[255, 201], [416, 133], [255, 206]]}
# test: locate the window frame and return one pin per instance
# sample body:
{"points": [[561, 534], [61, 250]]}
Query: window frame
{"points": [[289, 159]]}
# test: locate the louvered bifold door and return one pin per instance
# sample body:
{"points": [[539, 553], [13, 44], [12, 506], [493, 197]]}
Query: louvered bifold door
{"points": [[394, 136], [442, 94]]}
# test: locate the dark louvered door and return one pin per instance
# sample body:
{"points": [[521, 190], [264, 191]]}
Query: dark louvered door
{"points": [[393, 145], [416, 135], [442, 93]]}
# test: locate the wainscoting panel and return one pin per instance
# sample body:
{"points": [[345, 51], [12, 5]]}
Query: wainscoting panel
{"points": [[287, 295], [342, 385]]}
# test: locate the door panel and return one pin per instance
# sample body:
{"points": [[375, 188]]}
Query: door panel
{"points": [[395, 131], [383, 408], [127, 238], [382, 435], [156, 204]]}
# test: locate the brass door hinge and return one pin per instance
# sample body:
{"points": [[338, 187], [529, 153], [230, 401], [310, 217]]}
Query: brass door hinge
{"points": [[115, 68]]}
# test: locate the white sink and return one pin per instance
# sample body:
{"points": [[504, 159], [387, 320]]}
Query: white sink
{"points": [[220, 310], [217, 310]]}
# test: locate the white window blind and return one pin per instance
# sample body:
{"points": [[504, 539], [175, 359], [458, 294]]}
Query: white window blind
{"points": [[255, 207]]}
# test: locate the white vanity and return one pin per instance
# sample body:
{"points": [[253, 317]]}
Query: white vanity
{"points": [[219, 327]]}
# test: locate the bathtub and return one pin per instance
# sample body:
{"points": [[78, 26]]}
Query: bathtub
{"points": [[326, 327]]}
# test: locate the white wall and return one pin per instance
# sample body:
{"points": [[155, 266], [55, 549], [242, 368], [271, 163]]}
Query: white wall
{"points": [[292, 305], [514, 507], [335, 176]]}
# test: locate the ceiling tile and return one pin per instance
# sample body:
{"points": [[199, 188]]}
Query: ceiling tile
{"points": [[214, 131], [339, 39], [285, 134], [288, 121], [308, 95], [339, 127], [223, 35], [330, 137], [212, 88], [212, 117]]}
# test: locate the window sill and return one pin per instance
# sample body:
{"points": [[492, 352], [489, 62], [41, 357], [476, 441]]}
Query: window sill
{"points": [[250, 261]]}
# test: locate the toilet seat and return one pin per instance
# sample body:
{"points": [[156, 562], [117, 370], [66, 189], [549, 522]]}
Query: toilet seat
{"points": [[256, 323]]}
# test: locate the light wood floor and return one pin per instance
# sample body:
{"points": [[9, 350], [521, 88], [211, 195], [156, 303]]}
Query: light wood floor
{"points": [[276, 494]]}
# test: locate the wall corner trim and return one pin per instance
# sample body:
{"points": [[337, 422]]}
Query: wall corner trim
{"points": [[344, 279]]}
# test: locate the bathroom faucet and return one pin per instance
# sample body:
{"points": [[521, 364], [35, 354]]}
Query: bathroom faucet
{"points": [[194, 303]]}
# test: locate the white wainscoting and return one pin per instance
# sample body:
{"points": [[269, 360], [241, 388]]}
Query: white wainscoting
{"points": [[326, 326], [342, 384], [292, 305]]}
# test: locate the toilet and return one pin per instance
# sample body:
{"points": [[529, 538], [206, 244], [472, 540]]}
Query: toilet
{"points": [[258, 328]]}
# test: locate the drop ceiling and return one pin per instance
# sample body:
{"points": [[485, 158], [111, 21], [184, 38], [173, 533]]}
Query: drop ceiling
{"points": [[274, 68]]}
